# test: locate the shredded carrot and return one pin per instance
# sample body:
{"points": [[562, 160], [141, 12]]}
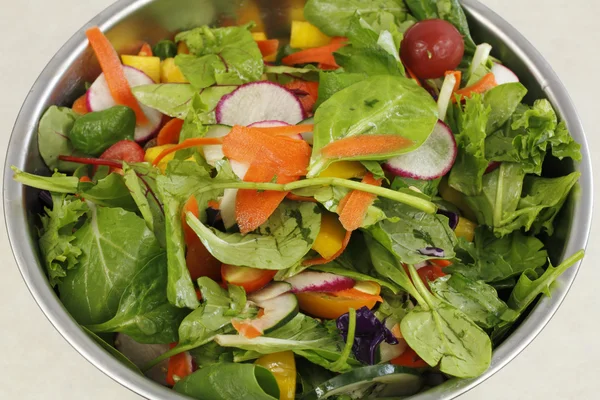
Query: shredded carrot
{"points": [[253, 208], [441, 263], [186, 144], [413, 76], [357, 294], [146, 50], [113, 72], [287, 130], [294, 197], [80, 105], [246, 329], [268, 47], [327, 67], [364, 145], [353, 207], [169, 134], [290, 156], [457, 77], [85, 178], [307, 92], [486, 83], [321, 260], [321, 55]]}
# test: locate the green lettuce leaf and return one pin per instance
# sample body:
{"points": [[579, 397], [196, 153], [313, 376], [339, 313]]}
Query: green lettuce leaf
{"points": [[222, 56], [332, 82], [110, 257], [144, 312]]}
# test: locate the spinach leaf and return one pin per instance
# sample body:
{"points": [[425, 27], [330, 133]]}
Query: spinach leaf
{"points": [[141, 182], [110, 257], [144, 313], [230, 381], [476, 299], [310, 375], [181, 181], [223, 56], [53, 138], [333, 17], [110, 191], [332, 82], [471, 163], [56, 236], [173, 99], [502, 101], [211, 353], [408, 230], [541, 201], [493, 259], [389, 105], [428, 188], [449, 10], [528, 135], [280, 243]]}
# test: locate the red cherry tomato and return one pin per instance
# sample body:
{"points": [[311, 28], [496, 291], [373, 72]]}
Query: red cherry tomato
{"points": [[125, 150], [430, 273], [432, 47]]}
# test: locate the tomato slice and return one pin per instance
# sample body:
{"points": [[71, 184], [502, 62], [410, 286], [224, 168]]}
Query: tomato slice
{"points": [[430, 273], [180, 366], [251, 279], [332, 305], [125, 150], [409, 359]]}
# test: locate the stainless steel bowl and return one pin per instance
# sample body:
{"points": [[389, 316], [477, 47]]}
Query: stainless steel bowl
{"points": [[130, 21]]}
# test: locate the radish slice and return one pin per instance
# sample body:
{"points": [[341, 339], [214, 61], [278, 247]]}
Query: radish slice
{"points": [[271, 124], [311, 281], [227, 204], [272, 290], [504, 75], [430, 161], [99, 98], [259, 101], [214, 153], [445, 96], [141, 354]]}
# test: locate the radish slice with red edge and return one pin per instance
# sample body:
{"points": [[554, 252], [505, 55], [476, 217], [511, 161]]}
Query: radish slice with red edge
{"points": [[432, 160], [259, 101], [99, 98], [227, 204], [273, 124], [311, 281], [503, 74]]}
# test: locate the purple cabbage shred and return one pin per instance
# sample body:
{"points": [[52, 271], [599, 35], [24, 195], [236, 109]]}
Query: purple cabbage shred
{"points": [[452, 217]]}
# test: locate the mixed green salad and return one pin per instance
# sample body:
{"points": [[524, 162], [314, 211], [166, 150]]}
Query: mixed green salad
{"points": [[360, 210]]}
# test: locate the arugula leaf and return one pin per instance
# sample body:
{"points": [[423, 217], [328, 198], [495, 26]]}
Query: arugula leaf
{"points": [[449, 10], [407, 230], [223, 56], [53, 138], [181, 181], [377, 105], [476, 299], [173, 99], [280, 243], [110, 257], [57, 183], [141, 182], [502, 100], [56, 236], [493, 259], [211, 353], [144, 312], [215, 382], [332, 82], [467, 172], [428, 188], [333, 17]]}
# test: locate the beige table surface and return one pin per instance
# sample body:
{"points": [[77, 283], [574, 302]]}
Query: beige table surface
{"points": [[562, 363]]}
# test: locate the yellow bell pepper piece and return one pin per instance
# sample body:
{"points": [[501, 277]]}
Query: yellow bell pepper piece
{"points": [[344, 170], [148, 65], [465, 229], [297, 10], [306, 36], [283, 367], [457, 198], [182, 48], [331, 236], [259, 36], [250, 12], [170, 73], [154, 152]]}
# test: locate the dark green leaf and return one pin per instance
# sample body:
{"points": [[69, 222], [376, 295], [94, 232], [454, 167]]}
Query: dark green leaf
{"points": [[53, 138], [502, 101]]}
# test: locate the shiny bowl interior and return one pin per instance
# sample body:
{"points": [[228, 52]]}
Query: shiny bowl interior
{"points": [[128, 23]]}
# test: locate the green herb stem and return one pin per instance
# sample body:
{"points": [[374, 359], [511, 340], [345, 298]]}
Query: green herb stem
{"points": [[349, 340]]}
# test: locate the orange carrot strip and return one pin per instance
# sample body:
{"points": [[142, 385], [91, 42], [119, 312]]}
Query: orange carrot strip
{"points": [[113, 72], [441, 263], [286, 130], [413, 76], [356, 294], [246, 329], [169, 134], [214, 204], [85, 178], [364, 145], [186, 144], [457, 77], [353, 209], [268, 47], [307, 92], [327, 67], [323, 55], [146, 50], [321, 260], [486, 83], [295, 197], [253, 208], [80, 105]]}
